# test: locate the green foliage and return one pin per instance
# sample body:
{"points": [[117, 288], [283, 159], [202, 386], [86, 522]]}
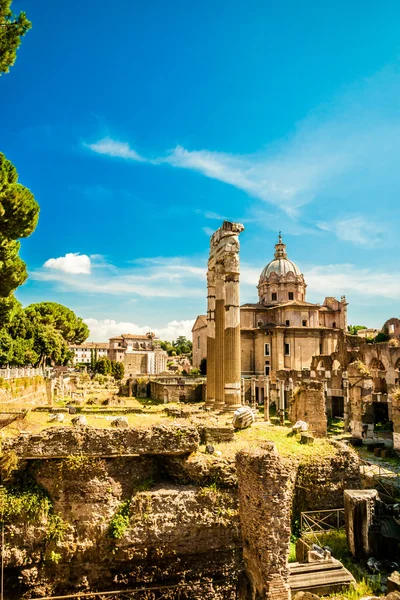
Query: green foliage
{"points": [[203, 366], [12, 29], [292, 552], [103, 366], [8, 464], [120, 521], [5, 347], [194, 372], [39, 334], [143, 486], [56, 528], [180, 346], [117, 370], [354, 328], [71, 328], [55, 557], [19, 213], [381, 337]]}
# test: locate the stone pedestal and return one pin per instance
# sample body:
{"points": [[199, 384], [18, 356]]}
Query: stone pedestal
{"points": [[359, 507]]}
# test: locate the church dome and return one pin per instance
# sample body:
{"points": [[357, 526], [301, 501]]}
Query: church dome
{"points": [[280, 266]]}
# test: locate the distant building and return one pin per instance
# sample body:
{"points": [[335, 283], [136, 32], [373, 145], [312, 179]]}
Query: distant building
{"points": [[83, 352], [368, 333], [140, 354]]}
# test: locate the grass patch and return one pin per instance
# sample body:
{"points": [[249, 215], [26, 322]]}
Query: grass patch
{"points": [[288, 445]]}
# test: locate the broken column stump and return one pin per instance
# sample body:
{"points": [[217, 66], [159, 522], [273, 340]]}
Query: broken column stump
{"points": [[265, 496], [359, 507]]}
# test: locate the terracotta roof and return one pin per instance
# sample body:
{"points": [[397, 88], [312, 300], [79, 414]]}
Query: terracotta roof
{"points": [[88, 345], [131, 336]]}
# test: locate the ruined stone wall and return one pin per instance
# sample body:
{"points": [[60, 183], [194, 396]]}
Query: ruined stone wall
{"points": [[396, 420], [321, 481], [69, 441], [265, 493], [308, 404], [171, 532], [30, 391], [174, 392], [123, 507], [135, 364]]}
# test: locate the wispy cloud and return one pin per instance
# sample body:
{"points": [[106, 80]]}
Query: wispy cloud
{"points": [[208, 231], [359, 230], [159, 277], [114, 148], [345, 153]]}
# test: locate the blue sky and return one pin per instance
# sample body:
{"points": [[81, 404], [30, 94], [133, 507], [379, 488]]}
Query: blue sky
{"points": [[139, 130]]}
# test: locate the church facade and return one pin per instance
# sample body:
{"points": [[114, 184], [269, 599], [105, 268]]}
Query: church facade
{"points": [[282, 330]]}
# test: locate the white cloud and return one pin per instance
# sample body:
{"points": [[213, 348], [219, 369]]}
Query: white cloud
{"points": [[114, 148], [70, 263], [359, 230], [334, 280], [102, 329]]}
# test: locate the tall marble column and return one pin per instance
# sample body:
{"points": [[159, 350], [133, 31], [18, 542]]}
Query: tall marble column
{"points": [[210, 399], [232, 352], [219, 337], [266, 399]]}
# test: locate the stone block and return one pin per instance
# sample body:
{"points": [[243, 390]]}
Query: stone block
{"points": [[306, 438], [377, 451], [393, 583]]}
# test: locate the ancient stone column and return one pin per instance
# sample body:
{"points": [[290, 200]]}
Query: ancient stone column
{"points": [[253, 392], [281, 400], [210, 400], [232, 351], [219, 337], [266, 399]]}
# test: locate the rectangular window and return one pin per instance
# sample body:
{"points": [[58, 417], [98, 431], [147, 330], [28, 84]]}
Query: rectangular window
{"points": [[198, 341], [273, 296], [266, 350], [287, 349], [291, 295], [267, 368], [304, 323], [287, 322]]}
